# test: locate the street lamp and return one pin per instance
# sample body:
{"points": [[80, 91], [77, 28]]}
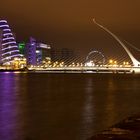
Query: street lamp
{"points": [[110, 61]]}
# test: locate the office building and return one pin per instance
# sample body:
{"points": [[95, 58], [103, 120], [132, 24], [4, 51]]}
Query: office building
{"points": [[36, 52]]}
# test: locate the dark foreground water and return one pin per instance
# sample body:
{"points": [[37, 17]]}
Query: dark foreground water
{"points": [[64, 106]]}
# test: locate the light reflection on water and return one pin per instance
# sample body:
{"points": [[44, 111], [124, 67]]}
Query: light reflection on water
{"points": [[64, 106], [10, 123], [88, 109]]}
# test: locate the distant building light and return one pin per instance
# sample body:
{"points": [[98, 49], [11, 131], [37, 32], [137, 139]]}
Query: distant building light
{"points": [[17, 55], [3, 21], [45, 46], [6, 29], [48, 58], [4, 26], [8, 38], [6, 34], [37, 51], [33, 43], [7, 43], [10, 52]]}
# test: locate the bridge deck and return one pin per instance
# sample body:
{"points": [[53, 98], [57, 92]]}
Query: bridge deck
{"points": [[85, 69]]}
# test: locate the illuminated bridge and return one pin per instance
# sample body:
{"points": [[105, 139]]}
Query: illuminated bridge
{"points": [[135, 68], [135, 62], [8, 46]]}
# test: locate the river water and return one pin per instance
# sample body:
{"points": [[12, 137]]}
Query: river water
{"points": [[41, 106]]}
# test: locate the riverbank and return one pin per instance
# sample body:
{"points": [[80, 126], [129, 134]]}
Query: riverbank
{"points": [[128, 129]]}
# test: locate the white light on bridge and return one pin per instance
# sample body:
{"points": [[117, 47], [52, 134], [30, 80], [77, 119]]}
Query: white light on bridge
{"points": [[90, 64]]}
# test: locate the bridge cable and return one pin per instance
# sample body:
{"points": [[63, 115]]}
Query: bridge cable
{"points": [[131, 45]]}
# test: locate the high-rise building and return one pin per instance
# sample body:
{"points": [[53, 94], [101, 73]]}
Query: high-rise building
{"points": [[31, 52], [8, 46], [36, 52]]}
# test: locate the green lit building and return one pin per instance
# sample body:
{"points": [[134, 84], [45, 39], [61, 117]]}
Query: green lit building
{"points": [[21, 47]]}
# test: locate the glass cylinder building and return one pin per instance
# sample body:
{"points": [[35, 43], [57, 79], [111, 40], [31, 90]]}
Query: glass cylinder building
{"points": [[8, 46]]}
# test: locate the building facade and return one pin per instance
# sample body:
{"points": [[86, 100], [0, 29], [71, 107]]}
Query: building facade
{"points": [[30, 52], [8, 46], [42, 52], [36, 52]]}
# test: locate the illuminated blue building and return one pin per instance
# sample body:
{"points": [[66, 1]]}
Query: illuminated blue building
{"points": [[8, 46], [36, 52], [31, 52]]}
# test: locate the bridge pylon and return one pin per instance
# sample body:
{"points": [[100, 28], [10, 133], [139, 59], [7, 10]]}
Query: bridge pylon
{"points": [[135, 62]]}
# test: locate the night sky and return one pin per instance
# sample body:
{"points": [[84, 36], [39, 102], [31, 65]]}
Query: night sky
{"points": [[68, 23]]}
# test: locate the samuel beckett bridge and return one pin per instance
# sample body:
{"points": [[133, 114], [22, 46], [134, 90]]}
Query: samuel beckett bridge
{"points": [[95, 65]]}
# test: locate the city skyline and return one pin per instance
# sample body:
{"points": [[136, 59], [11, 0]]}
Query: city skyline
{"points": [[69, 69], [68, 24]]}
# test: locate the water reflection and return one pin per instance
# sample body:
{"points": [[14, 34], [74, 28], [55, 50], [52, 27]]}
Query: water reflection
{"points": [[10, 122], [64, 106], [110, 103], [88, 109]]}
